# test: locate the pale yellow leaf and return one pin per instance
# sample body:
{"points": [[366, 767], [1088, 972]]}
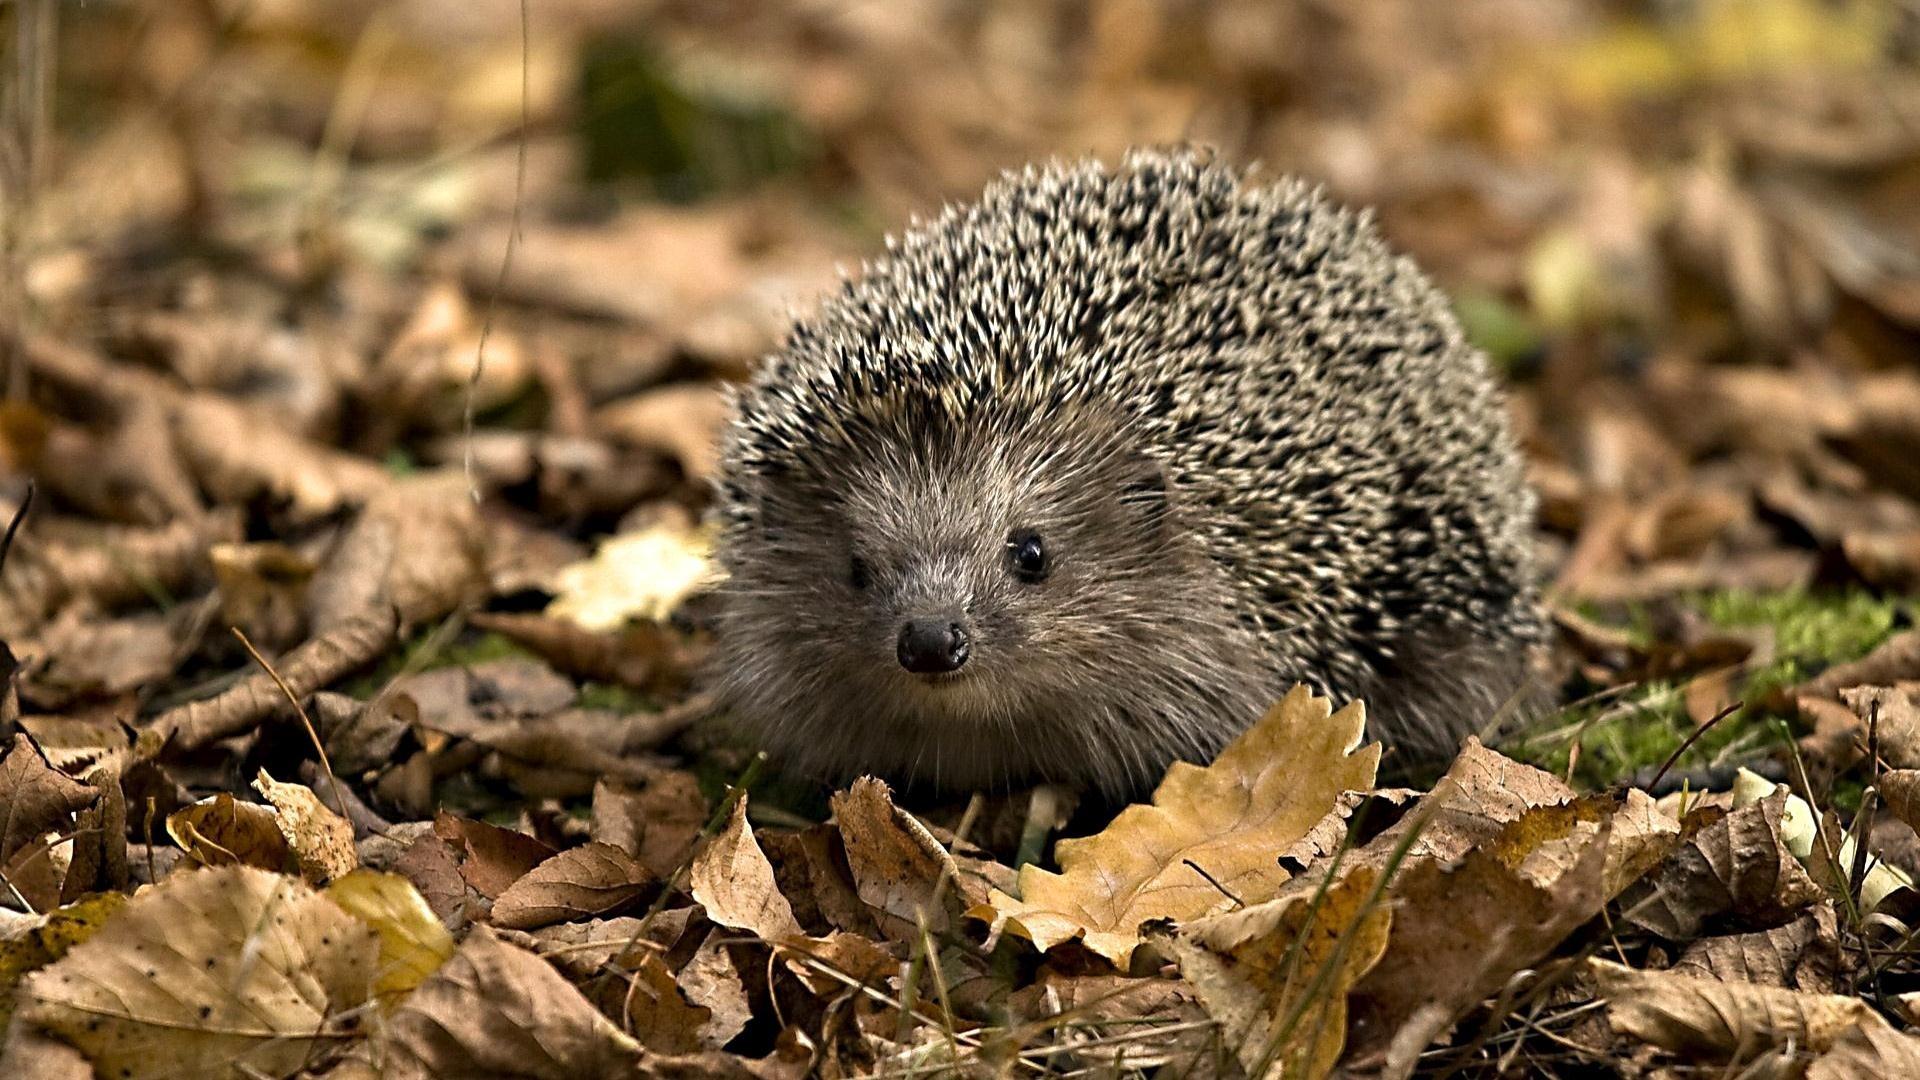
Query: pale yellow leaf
{"points": [[1229, 819], [413, 941], [636, 575]]}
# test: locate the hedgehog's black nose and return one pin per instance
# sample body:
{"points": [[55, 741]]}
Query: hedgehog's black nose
{"points": [[932, 646]]}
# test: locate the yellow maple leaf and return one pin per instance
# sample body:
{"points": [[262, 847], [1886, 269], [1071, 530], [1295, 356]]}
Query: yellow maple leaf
{"points": [[1231, 819]]}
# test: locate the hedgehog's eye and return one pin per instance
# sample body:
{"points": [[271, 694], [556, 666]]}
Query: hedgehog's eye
{"points": [[857, 574], [1028, 555]]}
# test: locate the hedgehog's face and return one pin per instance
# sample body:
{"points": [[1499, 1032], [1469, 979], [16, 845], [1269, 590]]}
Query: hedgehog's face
{"points": [[952, 586]]}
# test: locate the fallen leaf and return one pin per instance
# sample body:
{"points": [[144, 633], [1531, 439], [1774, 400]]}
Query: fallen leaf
{"points": [[897, 863], [1719, 1021], [1276, 975], [733, 881], [222, 831], [1797, 956], [635, 575], [41, 939], [35, 798], [682, 420], [592, 880], [496, 1010], [1734, 864], [1461, 930], [492, 858], [1867, 1052], [657, 824], [414, 549], [231, 971], [1260, 796], [413, 943], [321, 840]]}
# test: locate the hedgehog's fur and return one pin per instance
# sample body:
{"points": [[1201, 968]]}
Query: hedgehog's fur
{"points": [[1254, 440]]}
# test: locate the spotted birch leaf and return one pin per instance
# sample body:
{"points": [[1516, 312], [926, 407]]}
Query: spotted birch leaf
{"points": [[1231, 819], [224, 972]]}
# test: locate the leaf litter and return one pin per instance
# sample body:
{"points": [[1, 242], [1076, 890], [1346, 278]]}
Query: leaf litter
{"points": [[446, 804]]}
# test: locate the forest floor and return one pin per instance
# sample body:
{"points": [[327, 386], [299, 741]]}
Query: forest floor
{"points": [[362, 364]]}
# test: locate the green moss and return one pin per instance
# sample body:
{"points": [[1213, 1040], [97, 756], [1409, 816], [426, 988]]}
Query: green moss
{"points": [[616, 698], [427, 650], [1624, 736], [1501, 330]]}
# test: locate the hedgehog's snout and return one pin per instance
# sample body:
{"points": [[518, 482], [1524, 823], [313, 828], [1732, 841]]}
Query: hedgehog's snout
{"points": [[933, 646]]}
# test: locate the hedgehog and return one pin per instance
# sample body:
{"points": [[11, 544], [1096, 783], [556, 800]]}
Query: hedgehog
{"points": [[1079, 478]]}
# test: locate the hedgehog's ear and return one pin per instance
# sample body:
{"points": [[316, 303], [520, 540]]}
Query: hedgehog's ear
{"points": [[1147, 494]]}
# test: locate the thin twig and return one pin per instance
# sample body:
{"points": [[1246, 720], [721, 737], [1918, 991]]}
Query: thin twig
{"points": [[1691, 739], [333, 782], [506, 264]]}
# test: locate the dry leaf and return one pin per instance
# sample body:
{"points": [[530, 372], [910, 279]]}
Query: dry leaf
{"points": [[657, 824], [321, 840], [733, 881], [1717, 1021], [1797, 956], [493, 858], [35, 798], [1868, 1052], [414, 549], [594, 879], [636, 575], [413, 943], [1736, 864], [897, 864], [39, 940], [315, 664], [496, 1010], [1260, 796], [230, 971], [1276, 975], [222, 831], [682, 420], [1461, 931]]}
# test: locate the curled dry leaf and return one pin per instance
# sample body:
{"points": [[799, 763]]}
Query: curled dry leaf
{"points": [[117, 566], [496, 1010], [733, 881], [592, 880], [414, 549], [1230, 819], [413, 943], [492, 858], [1276, 975], [321, 840], [35, 798], [897, 863], [1868, 1051], [240, 456], [220, 830], [641, 655], [230, 971], [313, 665], [1460, 931], [1723, 1021], [1732, 864]]}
